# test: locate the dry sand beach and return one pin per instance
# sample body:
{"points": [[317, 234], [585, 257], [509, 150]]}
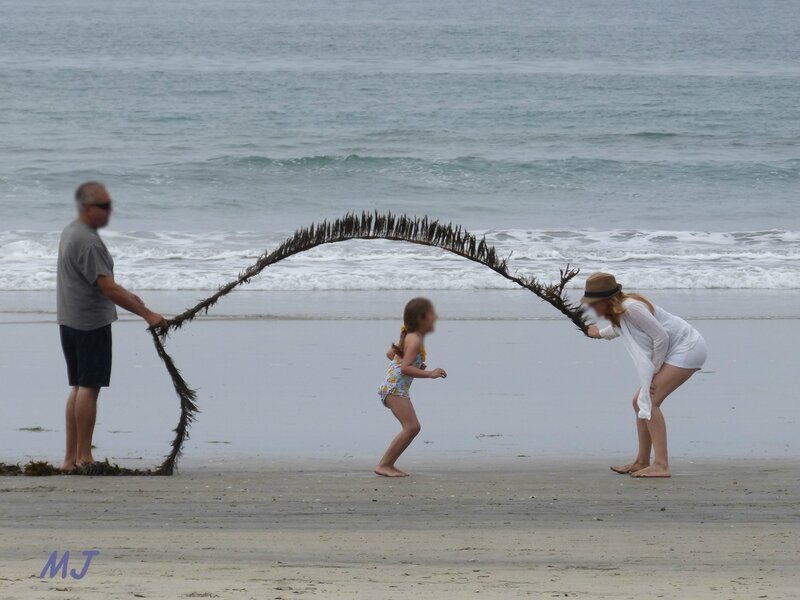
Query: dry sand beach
{"points": [[506, 529]]}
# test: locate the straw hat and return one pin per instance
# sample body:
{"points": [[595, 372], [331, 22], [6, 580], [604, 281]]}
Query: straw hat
{"points": [[600, 286]]}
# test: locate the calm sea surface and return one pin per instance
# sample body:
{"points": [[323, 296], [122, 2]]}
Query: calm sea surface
{"points": [[660, 140]]}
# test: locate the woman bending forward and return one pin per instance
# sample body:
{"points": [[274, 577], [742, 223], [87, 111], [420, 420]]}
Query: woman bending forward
{"points": [[666, 351]]}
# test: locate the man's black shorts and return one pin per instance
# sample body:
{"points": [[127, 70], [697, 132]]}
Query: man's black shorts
{"points": [[88, 355]]}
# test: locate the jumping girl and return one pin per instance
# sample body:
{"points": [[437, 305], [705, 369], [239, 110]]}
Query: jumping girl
{"points": [[408, 363], [666, 350]]}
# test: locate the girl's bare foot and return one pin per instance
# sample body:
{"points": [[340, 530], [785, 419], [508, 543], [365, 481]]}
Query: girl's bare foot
{"points": [[389, 472], [630, 468], [67, 467], [653, 471]]}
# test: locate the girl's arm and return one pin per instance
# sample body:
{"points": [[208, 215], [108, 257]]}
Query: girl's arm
{"points": [[410, 351], [641, 318], [391, 353]]}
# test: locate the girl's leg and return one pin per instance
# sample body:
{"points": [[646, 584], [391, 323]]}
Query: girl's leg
{"points": [[666, 381], [404, 411], [642, 459]]}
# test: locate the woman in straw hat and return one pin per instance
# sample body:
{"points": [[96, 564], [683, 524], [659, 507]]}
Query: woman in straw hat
{"points": [[666, 351]]}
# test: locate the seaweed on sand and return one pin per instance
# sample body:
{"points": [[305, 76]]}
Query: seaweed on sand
{"points": [[10, 469], [40, 468]]}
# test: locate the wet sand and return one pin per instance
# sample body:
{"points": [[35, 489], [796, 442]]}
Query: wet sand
{"points": [[505, 529], [307, 387]]}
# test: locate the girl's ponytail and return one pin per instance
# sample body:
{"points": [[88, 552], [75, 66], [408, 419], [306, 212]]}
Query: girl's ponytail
{"points": [[400, 346]]}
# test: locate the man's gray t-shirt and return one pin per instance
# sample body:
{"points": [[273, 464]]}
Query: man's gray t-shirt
{"points": [[82, 258]]}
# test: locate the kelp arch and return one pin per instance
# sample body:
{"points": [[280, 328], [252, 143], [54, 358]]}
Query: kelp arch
{"points": [[367, 226]]}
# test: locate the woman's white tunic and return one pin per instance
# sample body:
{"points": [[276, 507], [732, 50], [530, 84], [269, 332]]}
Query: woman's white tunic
{"points": [[651, 341]]}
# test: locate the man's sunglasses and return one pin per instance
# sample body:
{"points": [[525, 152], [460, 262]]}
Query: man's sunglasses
{"points": [[103, 205]]}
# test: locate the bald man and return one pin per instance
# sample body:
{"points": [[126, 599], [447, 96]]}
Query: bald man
{"points": [[87, 300]]}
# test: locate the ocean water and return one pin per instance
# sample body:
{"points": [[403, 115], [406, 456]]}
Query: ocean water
{"points": [[202, 261], [657, 140]]}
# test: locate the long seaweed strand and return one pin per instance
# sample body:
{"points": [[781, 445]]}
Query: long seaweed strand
{"points": [[367, 226]]}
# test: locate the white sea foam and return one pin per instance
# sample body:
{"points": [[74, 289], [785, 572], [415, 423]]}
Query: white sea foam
{"points": [[641, 259]]}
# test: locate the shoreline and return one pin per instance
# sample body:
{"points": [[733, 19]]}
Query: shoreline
{"points": [[680, 465], [459, 305]]}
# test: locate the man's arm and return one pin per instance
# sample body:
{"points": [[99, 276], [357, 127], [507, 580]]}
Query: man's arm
{"points": [[131, 302]]}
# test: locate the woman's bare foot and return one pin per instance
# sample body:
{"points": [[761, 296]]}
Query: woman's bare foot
{"points": [[630, 468], [389, 472], [653, 471], [67, 467]]}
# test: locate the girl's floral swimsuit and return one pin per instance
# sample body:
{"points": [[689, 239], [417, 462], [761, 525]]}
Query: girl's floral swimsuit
{"points": [[397, 384]]}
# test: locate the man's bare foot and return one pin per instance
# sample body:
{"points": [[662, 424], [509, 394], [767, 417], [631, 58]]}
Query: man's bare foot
{"points": [[389, 472], [653, 471], [67, 466], [630, 468]]}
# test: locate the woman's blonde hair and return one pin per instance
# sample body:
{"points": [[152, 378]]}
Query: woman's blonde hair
{"points": [[617, 308], [414, 313]]}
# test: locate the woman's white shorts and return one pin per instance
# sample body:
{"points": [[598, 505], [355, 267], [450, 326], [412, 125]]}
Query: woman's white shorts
{"points": [[693, 358]]}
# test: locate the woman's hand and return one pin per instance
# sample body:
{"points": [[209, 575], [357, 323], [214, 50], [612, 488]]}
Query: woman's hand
{"points": [[593, 332], [437, 374], [653, 386]]}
